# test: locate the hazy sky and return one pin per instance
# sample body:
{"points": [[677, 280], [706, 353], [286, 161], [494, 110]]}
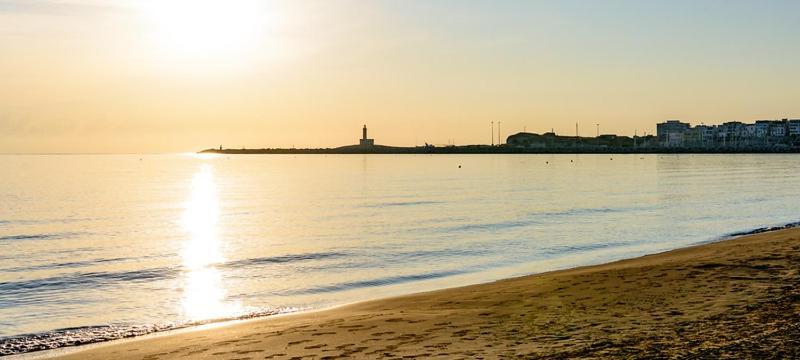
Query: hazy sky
{"points": [[182, 75]]}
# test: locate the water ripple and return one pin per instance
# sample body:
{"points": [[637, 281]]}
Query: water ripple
{"points": [[66, 265], [389, 280], [45, 236], [401, 203], [284, 259]]}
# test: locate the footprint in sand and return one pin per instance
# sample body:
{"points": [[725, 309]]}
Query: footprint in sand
{"points": [[298, 342], [383, 333], [324, 333]]}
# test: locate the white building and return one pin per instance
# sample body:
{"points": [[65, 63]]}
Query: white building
{"points": [[794, 127], [704, 133], [674, 139], [777, 130], [750, 130], [670, 133], [762, 128]]}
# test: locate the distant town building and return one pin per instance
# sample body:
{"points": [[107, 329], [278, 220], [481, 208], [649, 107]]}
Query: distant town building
{"points": [[672, 132], [794, 127], [762, 128], [364, 140], [750, 130], [674, 135], [777, 131], [731, 134], [701, 135]]}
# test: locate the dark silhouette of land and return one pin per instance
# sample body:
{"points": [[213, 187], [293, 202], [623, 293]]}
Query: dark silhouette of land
{"points": [[529, 143]]}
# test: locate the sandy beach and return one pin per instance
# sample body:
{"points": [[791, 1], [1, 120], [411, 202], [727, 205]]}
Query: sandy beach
{"points": [[737, 298]]}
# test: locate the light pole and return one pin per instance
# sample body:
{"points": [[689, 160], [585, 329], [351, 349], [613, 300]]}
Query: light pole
{"points": [[598, 130], [498, 134], [493, 133]]}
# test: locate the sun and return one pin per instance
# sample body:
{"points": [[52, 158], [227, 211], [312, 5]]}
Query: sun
{"points": [[205, 29]]}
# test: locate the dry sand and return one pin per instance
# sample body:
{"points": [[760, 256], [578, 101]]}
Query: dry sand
{"points": [[733, 299]]}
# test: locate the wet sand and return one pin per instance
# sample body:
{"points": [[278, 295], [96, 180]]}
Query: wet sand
{"points": [[732, 299]]}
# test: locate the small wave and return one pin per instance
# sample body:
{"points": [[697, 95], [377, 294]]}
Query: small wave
{"points": [[590, 211], [284, 259], [18, 292], [81, 280], [537, 218], [65, 265], [402, 203], [491, 226], [72, 337], [391, 280], [554, 250], [48, 221], [20, 344], [762, 230], [47, 236], [440, 253], [372, 261], [579, 211]]}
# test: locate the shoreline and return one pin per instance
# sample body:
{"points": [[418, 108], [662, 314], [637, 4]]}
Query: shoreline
{"points": [[116, 334], [264, 334]]}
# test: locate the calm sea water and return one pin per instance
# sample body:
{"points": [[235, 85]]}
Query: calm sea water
{"points": [[113, 245]]}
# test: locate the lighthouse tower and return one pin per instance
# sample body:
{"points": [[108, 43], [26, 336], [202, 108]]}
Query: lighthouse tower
{"points": [[364, 140]]}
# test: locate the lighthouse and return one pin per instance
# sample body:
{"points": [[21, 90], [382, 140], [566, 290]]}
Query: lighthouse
{"points": [[364, 140]]}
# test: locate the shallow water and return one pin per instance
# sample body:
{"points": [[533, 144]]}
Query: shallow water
{"points": [[118, 245]]}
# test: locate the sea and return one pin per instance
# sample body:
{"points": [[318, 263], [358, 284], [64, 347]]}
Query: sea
{"points": [[101, 247]]}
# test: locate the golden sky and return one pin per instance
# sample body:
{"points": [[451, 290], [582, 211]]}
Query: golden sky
{"points": [[184, 75]]}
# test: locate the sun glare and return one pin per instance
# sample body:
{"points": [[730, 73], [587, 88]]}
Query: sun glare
{"points": [[203, 29], [204, 294]]}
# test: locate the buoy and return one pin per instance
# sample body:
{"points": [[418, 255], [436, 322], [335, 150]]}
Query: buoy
{"points": [[459, 166]]}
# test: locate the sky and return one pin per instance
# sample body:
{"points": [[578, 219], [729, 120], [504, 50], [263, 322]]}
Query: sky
{"points": [[150, 76]]}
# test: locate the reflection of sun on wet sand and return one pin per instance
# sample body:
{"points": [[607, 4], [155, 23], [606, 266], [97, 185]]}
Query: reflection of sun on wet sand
{"points": [[737, 298]]}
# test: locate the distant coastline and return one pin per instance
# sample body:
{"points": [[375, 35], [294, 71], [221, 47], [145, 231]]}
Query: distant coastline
{"points": [[503, 149], [673, 137]]}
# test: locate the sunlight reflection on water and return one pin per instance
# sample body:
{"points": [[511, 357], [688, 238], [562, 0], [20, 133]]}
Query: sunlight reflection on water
{"points": [[204, 293]]}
